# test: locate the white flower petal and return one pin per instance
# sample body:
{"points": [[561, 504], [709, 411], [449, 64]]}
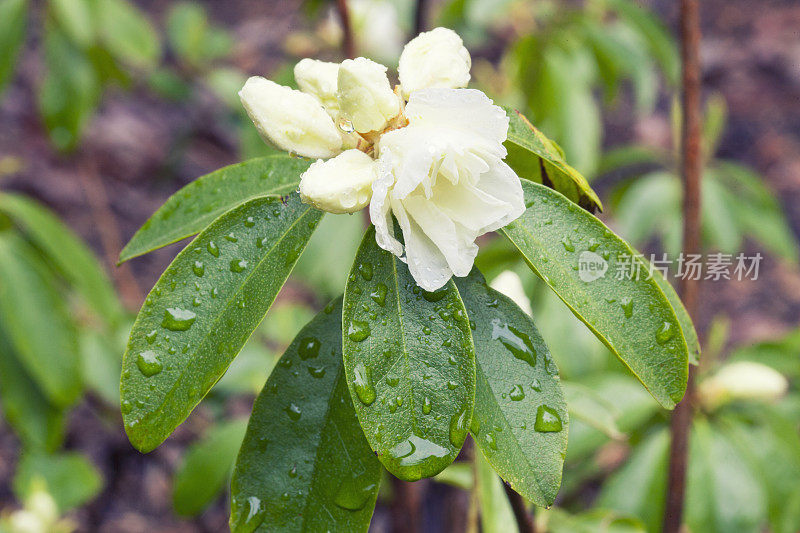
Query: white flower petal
{"points": [[340, 185], [443, 178], [291, 120], [434, 59], [319, 79], [426, 263], [365, 97]]}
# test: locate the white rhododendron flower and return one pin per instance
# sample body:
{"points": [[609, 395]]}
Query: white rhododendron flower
{"points": [[365, 97], [444, 179], [434, 59], [340, 185], [428, 154], [319, 79], [292, 120]]}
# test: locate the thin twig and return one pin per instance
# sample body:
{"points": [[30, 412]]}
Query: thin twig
{"points": [[420, 17], [524, 519], [692, 173], [348, 43]]}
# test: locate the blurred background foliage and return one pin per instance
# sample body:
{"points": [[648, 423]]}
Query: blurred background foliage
{"points": [[585, 72]]}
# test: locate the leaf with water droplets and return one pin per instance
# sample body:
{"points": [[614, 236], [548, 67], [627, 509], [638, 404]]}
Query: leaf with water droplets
{"points": [[410, 364], [314, 472], [37, 323], [626, 312], [536, 158], [516, 379], [190, 329], [685, 321], [194, 207]]}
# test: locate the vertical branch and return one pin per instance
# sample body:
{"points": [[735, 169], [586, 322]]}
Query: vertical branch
{"points": [[420, 17], [692, 168], [524, 519], [348, 44]]}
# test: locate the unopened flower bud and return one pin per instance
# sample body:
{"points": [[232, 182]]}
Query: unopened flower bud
{"points": [[365, 97], [434, 59], [291, 120], [340, 185], [319, 78], [745, 380]]}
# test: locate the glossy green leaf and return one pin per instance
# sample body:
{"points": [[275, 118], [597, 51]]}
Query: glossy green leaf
{"points": [[67, 252], [305, 464], [496, 513], [38, 325], [127, 33], [536, 158], [687, 326], [71, 479], [581, 259], [410, 364], [39, 424], [13, 14], [206, 468], [520, 421], [69, 92], [195, 206], [203, 309]]}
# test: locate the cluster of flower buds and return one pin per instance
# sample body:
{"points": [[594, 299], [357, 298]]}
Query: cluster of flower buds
{"points": [[428, 152]]}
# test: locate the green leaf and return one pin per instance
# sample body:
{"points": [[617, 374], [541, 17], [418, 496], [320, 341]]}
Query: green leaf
{"points": [[69, 92], [723, 494], [520, 421], [38, 325], [536, 158], [632, 317], [195, 206], [74, 18], [187, 25], [39, 424], [589, 406], [66, 252], [305, 464], [687, 326], [457, 475], [71, 478], [206, 468], [13, 15], [128, 34], [410, 364], [658, 38], [496, 513], [203, 309], [639, 487]]}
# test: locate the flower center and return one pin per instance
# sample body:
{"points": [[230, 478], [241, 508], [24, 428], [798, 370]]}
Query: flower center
{"points": [[367, 141]]}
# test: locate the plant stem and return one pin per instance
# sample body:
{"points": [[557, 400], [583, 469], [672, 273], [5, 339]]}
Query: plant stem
{"points": [[524, 519], [348, 44], [692, 169], [420, 17]]}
